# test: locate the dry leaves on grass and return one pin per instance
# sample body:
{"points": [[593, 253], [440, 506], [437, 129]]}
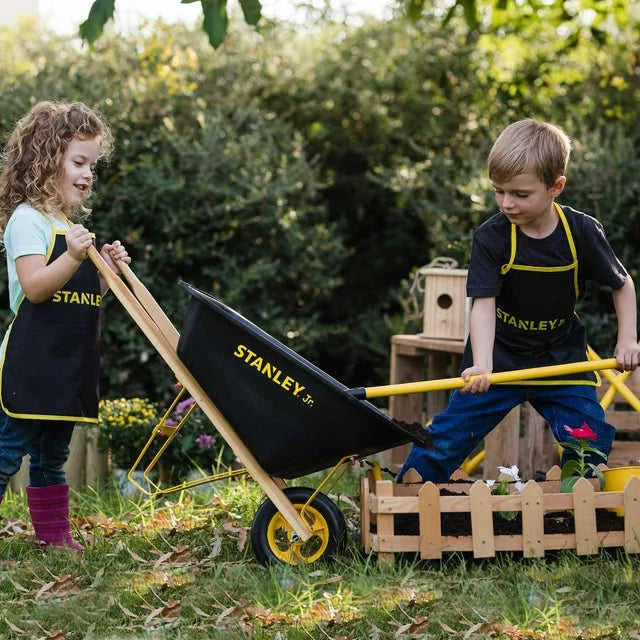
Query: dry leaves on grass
{"points": [[55, 588], [14, 529], [167, 615], [54, 634], [237, 616]]}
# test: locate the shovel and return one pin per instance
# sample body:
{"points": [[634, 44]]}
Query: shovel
{"points": [[503, 377]]}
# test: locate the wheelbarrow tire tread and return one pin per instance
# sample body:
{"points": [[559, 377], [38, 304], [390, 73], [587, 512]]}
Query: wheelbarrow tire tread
{"points": [[331, 524]]}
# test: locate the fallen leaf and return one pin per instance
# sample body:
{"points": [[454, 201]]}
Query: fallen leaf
{"points": [[226, 613], [473, 629], [55, 635], [169, 612], [13, 627], [180, 555], [128, 612], [60, 587], [448, 629], [19, 587], [236, 527], [97, 580], [200, 612], [216, 546], [134, 555]]}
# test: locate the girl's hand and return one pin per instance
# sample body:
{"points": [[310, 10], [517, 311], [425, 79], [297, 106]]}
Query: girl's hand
{"points": [[113, 253], [79, 239], [480, 383]]}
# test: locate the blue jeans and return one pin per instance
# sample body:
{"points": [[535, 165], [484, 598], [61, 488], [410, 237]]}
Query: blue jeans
{"points": [[46, 441], [468, 418]]}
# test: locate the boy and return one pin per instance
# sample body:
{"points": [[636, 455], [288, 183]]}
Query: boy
{"points": [[529, 265]]}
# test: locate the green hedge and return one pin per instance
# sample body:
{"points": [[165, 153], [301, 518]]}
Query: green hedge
{"points": [[302, 177]]}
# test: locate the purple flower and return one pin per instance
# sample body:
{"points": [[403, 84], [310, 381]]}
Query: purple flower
{"points": [[184, 406], [205, 441]]}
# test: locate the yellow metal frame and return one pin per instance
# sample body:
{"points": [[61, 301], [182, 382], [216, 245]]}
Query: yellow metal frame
{"points": [[171, 432], [327, 481], [617, 384]]}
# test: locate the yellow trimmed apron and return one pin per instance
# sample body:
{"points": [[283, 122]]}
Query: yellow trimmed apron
{"points": [[50, 367], [536, 324]]}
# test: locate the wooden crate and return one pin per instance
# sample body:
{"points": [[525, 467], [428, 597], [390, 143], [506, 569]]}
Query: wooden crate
{"points": [[446, 308], [381, 501]]}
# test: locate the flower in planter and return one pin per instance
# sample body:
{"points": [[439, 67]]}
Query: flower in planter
{"points": [[196, 445], [502, 487], [205, 441], [125, 425], [578, 467]]}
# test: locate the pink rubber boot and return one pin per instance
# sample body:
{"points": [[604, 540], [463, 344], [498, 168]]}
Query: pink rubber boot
{"points": [[49, 508]]}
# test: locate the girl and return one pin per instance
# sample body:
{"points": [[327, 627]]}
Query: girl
{"points": [[49, 359]]}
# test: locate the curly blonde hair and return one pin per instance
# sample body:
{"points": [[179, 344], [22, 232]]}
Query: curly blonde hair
{"points": [[31, 165]]}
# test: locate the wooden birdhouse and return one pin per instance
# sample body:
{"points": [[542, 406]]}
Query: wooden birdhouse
{"points": [[446, 306]]}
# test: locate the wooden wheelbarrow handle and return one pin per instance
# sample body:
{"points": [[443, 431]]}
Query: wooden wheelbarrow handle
{"points": [[163, 336], [502, 377]]}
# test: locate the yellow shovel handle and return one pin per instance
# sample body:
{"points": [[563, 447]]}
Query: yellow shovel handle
{"points": [[496, 378]]}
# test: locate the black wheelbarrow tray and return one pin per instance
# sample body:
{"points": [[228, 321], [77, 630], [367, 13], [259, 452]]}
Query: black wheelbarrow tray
{"points": [[281, 415]]}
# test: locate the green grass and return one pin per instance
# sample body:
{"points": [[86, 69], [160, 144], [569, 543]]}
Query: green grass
{"points": [[181, 566]]}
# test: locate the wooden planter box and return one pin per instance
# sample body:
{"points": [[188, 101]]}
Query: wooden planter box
{"points": [[381, 501]]}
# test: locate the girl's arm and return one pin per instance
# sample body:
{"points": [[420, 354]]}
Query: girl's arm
{"points": [[482, 336], [627, 351], [40, 280]]}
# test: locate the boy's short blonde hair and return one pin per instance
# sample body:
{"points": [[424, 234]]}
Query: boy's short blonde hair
{"points": [[530, 146]]}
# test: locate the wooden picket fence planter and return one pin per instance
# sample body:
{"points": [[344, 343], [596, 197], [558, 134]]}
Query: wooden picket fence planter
{"points": [[382, 500]]}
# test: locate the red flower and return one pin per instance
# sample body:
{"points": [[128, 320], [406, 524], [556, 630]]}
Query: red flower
{"points": [[585, 432]]}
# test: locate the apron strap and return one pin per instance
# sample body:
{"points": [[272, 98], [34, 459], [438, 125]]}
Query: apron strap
{"points": [[572, 248]]}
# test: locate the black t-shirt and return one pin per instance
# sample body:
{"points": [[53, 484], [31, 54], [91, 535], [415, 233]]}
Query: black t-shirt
{"points": [[491, 249], [535, 320]]}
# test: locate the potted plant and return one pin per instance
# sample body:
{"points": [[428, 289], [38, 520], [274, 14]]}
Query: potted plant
{"points": [[124, 426]]}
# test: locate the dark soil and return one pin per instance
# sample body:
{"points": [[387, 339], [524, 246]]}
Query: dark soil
{"points": [[416, 433], [459, 524]]}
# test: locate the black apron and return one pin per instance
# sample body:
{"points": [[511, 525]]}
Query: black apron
{"points": [[536, 324], [50, 367]]}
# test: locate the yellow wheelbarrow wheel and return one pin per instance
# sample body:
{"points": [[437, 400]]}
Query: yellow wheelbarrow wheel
{"points": [[273, 539]]}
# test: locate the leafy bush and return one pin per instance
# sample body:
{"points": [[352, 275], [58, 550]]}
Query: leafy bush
{"points": [[125, 425], [302, 178]]}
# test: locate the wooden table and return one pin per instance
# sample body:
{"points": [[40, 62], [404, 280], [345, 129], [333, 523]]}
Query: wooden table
{"points": [[417, 357]]}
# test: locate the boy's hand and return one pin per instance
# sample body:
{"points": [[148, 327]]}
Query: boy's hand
{"points": [[480, 383], [112, 253], [627, 355]]}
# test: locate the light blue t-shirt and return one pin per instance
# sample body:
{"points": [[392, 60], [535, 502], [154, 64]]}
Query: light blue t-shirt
{"points": [[28, 232]]}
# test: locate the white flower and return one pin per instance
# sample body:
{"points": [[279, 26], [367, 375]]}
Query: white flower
{"points": [[512, 472], [490, 483], [519, 486]]}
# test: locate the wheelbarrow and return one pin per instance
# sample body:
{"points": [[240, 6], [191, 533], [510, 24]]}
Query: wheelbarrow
{"points": [[282, 416]]}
